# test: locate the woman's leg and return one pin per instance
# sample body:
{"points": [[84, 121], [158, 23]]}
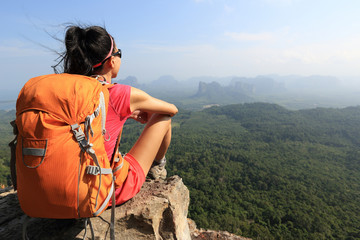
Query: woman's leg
{"points": [[153, 141], [164, 145]]}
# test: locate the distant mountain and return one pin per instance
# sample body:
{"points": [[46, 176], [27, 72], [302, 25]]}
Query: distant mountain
{"points": [[162, 84], [194, 81], [259, 85], [292, 91], [266, 84], [7, 105], [130, 80], [215, 93], [166, 81], [210, 89], [308, 83]]}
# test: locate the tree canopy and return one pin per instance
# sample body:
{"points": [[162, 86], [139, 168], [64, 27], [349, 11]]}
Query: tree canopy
{"points": [[260, 170]]}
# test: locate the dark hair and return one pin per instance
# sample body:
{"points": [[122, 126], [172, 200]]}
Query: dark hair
{"points": [[85, 47]]}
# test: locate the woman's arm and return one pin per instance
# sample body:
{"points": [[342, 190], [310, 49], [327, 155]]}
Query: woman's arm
{"points": [[141, 101]]}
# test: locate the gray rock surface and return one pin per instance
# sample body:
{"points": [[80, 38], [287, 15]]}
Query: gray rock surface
{"points": [[158, 212]]}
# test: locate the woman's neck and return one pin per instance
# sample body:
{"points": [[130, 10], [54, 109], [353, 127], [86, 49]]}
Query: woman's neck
{"points": [[103, 77]]}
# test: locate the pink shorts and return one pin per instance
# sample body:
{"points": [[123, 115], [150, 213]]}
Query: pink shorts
{"points": [[133, 182]]}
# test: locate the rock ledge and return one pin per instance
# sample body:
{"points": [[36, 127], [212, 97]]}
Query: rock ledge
{"points": [[159, 211]]}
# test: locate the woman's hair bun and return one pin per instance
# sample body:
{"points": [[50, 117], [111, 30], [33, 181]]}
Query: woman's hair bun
{"points": [[85, 47], [75, 36]]}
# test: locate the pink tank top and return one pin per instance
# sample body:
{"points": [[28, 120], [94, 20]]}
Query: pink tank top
{"points": [[118, 112]]}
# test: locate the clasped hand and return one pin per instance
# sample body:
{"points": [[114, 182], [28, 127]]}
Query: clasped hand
{"points": [[140, 116]]}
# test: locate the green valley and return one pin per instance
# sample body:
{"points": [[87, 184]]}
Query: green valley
{"points": [[260, 170]]}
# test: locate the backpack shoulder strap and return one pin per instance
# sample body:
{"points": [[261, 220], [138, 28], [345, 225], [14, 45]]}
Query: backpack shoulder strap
{"points": [[115, 155]]}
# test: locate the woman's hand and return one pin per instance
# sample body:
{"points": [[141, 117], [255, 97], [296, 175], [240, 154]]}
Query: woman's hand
{"points": [[140, 116]]}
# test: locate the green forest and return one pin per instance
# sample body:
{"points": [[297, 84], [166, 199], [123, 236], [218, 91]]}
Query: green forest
{"points": [[262, 171]]}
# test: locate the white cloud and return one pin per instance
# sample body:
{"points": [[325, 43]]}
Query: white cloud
{"points": [[283, 56]]}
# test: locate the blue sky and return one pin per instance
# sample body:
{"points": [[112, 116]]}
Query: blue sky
{"points": [[187, 38]]}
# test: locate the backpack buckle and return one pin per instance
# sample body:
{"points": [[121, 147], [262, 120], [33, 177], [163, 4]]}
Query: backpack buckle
{"points": [[78, 132], [80, 137], [92, 170]]}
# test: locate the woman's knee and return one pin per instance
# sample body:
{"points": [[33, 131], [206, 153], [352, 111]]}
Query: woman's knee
{"points": [[158, 123], [166, 119]]}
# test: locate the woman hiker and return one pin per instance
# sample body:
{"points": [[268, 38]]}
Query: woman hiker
{"points": [[92, 51]]}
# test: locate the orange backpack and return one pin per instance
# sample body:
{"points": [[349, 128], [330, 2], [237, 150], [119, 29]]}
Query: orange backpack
{"points": [[61, 164]]}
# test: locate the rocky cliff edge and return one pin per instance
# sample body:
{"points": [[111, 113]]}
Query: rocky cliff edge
{"points": [[159, 211]]}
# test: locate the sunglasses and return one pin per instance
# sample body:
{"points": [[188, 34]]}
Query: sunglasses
{"points": [[118, 53]]}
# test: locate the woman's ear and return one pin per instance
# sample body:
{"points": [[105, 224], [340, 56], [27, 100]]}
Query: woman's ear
{"points": [[110, 63]]}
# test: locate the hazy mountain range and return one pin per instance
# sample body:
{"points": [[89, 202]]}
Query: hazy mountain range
{"points": [[259, 84], [294, 92]]}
